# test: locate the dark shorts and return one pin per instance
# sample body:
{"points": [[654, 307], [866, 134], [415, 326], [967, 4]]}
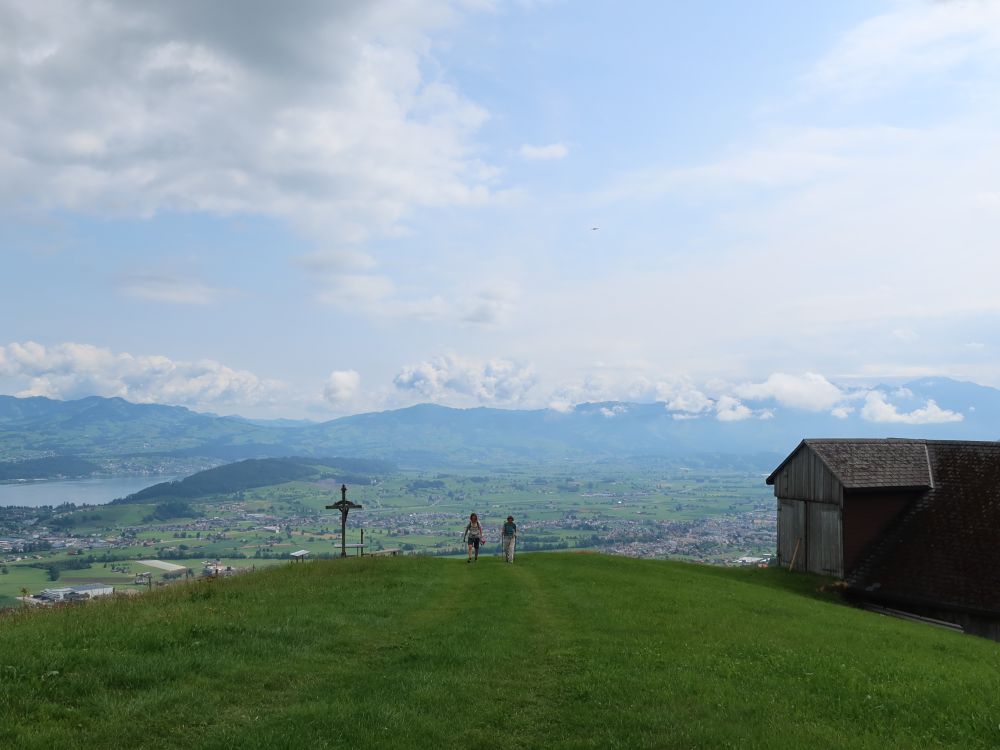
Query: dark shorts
{"points": [[474, 542]]}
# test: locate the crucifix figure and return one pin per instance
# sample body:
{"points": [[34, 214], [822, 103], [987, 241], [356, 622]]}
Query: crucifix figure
{"points": [[343, 505]]}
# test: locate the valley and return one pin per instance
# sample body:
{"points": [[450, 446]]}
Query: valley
{"points": [[654, 508]]}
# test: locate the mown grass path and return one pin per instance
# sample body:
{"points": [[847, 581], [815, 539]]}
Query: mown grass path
{"points": [[563, 651]]}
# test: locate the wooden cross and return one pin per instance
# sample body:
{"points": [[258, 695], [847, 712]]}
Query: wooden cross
{"points": [[343, 505]]}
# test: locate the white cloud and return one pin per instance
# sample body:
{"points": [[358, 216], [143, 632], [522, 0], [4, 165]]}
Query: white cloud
{"points": [[682, 396], [342, 387], [810, 391], [324, 115], [614, 411], [548, 152], [176, 290], [877, 409], [914, 39], [602, 385], [72, 370], [729, 409], [458, 381]]}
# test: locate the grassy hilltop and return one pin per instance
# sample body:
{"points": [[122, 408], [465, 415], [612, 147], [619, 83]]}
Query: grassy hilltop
{"points": [[566, 650]]}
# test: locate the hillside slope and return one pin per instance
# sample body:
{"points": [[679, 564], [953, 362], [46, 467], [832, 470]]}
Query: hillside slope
{"points": [[259, 472], [554, 651]]}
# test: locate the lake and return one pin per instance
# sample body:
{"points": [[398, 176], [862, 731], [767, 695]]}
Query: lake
{"points": [[91, 491]]}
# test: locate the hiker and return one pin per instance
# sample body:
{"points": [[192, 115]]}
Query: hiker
{"points": [[508, 538], [473, 535]]}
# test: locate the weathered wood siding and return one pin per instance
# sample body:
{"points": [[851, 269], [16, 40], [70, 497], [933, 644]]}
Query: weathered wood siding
{"points": [[810, 498], [791, 526], [824, 548], [816, 527], [805, 477]]}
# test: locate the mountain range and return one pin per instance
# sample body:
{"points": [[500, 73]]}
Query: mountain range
{"points": [[96, 428]]}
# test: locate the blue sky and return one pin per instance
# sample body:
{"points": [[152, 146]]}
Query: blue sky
{"points": [[312, 209]]}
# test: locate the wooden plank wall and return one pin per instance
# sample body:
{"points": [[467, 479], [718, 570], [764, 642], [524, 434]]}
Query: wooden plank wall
{"points": [[806, 477], [824, 546], [810, 499], [791, 526]]}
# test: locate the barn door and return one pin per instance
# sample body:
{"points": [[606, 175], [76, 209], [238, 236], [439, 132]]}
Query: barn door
{"points": [[825, 553], [791, 528]]}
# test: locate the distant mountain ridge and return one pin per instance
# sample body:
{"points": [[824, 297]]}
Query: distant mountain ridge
{"points": [[94, 427]]}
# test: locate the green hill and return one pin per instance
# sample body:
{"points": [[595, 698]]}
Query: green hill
{"points": [[260, 472], [561, 651], [44, 468]]}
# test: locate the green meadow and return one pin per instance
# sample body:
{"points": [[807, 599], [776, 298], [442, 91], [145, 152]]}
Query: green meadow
{"points": [[557, 650]]}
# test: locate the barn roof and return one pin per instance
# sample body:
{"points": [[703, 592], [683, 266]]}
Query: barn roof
{"points": [[943, 547], [870, 463], [91, 587]]}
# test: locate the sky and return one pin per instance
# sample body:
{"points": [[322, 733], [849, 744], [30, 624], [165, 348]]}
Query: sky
{"points": [[317, 208]]}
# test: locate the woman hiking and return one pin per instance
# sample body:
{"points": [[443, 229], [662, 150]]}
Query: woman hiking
{"points": [[472, 536]]}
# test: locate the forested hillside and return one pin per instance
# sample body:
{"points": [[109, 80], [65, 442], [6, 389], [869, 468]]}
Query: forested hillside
{"points": [[44, 468], [244, 475]]}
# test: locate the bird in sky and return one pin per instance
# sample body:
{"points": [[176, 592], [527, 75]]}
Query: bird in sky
{"points": [[594, 229]]}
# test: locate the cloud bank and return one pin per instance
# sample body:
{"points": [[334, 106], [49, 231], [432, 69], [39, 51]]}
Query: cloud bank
{"points": [[324, 115], [449, 378], [70, 370], [74, 370], [878, 409], [810, 391]]}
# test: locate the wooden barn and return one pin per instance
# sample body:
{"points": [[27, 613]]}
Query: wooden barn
{"points": [[912, 525]]}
